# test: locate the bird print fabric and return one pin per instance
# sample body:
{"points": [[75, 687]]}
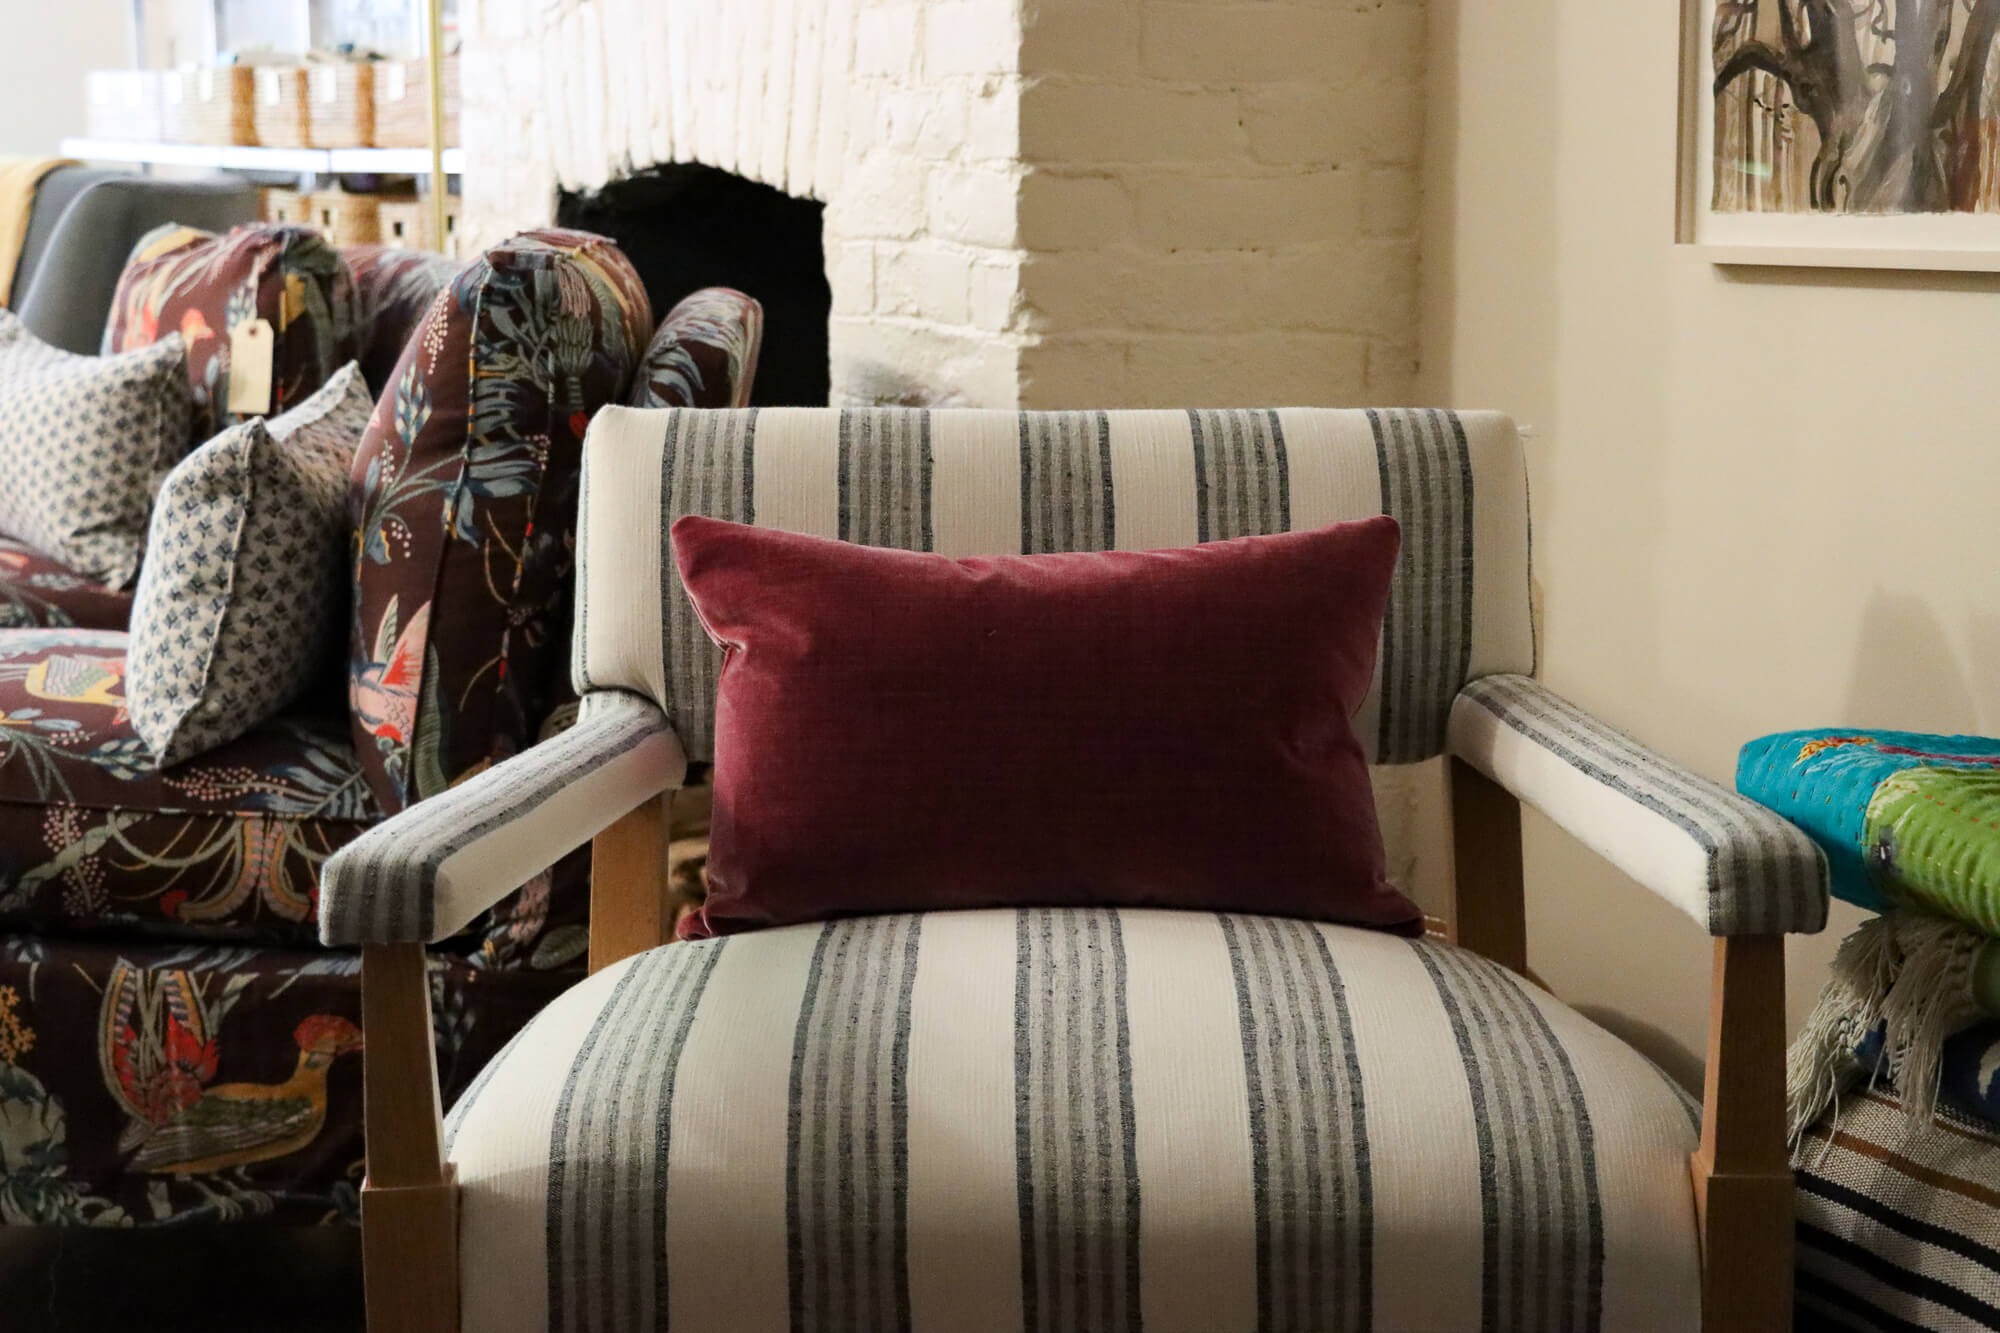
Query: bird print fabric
{"points": [[201, 286]]}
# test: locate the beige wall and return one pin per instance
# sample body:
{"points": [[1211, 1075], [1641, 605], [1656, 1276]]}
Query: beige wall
{"points": [[44, 50], [1763, 499]]}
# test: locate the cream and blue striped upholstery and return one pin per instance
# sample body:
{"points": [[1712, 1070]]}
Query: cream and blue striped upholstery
{"points": [[1060, 1120], [427, 873], [983, 483], [1069, 1121], [1456, 632], [1733, 865]]}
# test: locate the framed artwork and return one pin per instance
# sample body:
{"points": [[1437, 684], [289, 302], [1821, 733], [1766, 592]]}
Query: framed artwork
{"points": [[1841, 133]]}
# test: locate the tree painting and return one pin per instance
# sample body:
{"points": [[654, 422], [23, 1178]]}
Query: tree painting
{"points": [[1856, 106]]}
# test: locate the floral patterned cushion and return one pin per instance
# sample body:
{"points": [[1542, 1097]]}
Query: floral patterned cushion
{"points": [[396, 288], [245, 595], [203, 286], [704, 353], [37, 590], [179, 1082], [94, 836], [463, 504]]}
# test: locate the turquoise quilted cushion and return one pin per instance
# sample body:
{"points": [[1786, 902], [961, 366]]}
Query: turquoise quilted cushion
{"points": [[1931, 836]]}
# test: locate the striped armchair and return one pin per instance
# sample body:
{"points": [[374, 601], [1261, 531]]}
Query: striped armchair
{"points": [[1075, 1118]]}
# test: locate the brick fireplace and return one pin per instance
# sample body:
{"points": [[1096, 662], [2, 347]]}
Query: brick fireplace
{"points": [[1056, 203]]}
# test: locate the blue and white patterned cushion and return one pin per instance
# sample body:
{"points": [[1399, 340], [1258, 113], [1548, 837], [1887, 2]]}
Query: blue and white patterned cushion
{"points": [[243, 595], [1071, 1119], [84, 441]]}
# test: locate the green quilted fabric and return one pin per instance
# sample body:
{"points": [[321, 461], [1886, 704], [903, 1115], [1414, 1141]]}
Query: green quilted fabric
{"points": [[1934, 838]]}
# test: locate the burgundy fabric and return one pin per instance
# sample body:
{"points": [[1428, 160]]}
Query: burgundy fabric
{"points": [[395, 289], [899, 731]]}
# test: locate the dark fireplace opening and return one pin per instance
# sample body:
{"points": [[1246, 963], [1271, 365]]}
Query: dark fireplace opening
{"points": [[686, 226]]}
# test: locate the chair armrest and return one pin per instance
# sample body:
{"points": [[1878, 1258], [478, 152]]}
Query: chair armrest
{"points": [[426, 873], [1728, 862]]}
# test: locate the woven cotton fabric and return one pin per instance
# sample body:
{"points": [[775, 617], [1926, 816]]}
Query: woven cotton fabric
{"points": [[244, 597], [963, 482], [1070, 1119], [1725, 860], [429, 872], [1897, 1218]]}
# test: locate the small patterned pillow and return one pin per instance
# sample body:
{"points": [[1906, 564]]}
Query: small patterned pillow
{"points": [[84, 441], [243, 599]]}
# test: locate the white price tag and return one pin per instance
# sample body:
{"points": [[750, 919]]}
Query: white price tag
{"points": [[204, 85], [325, 83], [250, 350], [267, 86], [395, 81]]}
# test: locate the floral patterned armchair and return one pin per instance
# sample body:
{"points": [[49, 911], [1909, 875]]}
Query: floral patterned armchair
{"points": [[175, 1044]]}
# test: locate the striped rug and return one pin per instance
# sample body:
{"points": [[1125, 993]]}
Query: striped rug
{"points": [[1899, 1223]]}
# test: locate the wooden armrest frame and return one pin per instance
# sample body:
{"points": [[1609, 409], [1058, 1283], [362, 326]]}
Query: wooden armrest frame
{"points": [[1742, 1173], [409, 1201]]}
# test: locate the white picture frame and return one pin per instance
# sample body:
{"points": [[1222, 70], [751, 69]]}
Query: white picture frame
{"points": [[1763, 232]]}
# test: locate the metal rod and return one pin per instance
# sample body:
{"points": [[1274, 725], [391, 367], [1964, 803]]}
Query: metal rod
{"points": [[434, 61]]}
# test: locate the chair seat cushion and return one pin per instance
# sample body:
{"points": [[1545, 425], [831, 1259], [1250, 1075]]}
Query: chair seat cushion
{"points": [[94, 835], [1071, 1119], [37, 591]]}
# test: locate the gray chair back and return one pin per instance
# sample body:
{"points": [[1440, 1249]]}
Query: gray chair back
{"points": [[63, 289]]}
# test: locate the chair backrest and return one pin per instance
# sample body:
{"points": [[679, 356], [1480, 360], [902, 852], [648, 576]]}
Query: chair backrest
{"points": [[463, 501], [64, 288], [704, 354], [395, 288], [203, 285], [967, 482], [54, 193]]}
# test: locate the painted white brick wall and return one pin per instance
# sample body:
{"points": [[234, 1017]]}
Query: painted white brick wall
{"points": [[1221, 201], [1036, 202], [1049, 203], [903, 117]]}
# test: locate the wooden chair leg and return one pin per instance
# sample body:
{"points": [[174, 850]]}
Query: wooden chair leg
{"points": [[409, 1201], [1489, 912], [628, 884], [1742, 1171]]}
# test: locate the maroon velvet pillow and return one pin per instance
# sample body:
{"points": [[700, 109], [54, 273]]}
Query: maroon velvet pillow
{"points": [[898, 731]]}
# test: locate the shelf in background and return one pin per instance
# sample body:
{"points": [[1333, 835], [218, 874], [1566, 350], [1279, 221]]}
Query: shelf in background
{"points": [[327, 161]]}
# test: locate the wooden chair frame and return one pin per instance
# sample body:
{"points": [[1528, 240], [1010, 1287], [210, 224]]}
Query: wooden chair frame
{"points": [[1741, 1172]]}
